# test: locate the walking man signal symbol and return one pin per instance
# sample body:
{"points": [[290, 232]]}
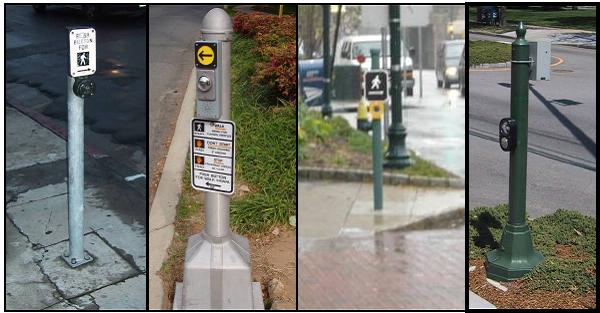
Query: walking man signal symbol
{"points": [[376, 85], [375, 82], [83, 58]]}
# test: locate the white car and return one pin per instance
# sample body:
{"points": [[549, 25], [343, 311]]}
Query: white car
{"points": [[350, 47]]}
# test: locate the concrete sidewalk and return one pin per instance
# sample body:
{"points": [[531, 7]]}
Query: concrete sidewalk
{"points": [[37, 228], [569, 37], [329, 209]]}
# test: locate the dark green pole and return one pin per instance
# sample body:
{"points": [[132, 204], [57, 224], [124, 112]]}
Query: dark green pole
{"points": [[516, 256], [326, 110], [377, 149], [397, 155]]}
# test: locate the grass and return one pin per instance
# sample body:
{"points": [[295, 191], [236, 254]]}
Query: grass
{"points": [[481, 51], [561, 18], [334, 143], [265, 163], [566, 238], [265, 148]]}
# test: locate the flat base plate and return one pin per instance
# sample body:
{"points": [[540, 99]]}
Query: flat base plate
{"points": [[72, 262], [257, 298]]}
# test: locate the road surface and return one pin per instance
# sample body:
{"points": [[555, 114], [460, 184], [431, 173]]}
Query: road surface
{"points": [[562, 135], [173, 31], [36, 67]]}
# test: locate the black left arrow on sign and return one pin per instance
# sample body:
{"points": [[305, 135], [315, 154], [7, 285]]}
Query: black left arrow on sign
{"points": [[202, 55]]}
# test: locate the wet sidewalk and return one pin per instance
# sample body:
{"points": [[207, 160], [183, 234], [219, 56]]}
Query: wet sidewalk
{"points": [[36, 226], [328, 209], [350, 257], [388, 270]]}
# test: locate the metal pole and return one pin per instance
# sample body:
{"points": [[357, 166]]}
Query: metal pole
{"points": [[397, 155], [377, 107], [384, 63], [420, 64], [76, 254], [326, 110], [217, 272], [216, 205], [377, 163], [516, 255]]}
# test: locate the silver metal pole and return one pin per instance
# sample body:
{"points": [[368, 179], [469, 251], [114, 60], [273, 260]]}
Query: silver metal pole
{"points": [[420, 64], [75, 255], [217, 205], [217, 272]]}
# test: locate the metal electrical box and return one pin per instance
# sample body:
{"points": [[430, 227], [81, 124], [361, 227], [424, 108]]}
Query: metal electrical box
{"points": [[541, 54]]}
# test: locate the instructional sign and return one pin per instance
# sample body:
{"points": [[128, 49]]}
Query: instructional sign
{"points": [[213, 155], [82, 51], [206, 54], [376, 85]]}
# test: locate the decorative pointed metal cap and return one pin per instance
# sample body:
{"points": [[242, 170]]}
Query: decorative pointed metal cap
{"points": [[521, 31]]}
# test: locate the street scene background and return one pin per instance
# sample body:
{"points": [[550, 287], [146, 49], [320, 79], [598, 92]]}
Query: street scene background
{"points": [[561, 155], [410, 255], [36, 59]]}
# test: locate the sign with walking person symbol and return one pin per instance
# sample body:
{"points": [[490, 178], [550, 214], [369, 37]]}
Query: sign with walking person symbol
{"points": [[212, 155], [376, 85], [82, 51]]}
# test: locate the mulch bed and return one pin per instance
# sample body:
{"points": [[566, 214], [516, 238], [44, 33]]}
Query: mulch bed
{"points": [[519, 296]]}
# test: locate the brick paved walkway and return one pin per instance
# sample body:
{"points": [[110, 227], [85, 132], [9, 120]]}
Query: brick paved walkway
{"points": [[388, 270]]}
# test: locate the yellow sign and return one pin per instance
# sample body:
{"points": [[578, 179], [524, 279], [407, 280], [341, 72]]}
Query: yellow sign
{"points": [[205, 55], [376, 110]]}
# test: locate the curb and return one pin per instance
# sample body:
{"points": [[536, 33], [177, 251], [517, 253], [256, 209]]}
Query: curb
{"points": [[491, 65], [573, 45], [357, 175], [162, 210]]}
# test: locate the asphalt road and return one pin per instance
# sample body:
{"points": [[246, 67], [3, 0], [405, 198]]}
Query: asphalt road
{"points": [[36, 56], [173, 31], [562, 135]]}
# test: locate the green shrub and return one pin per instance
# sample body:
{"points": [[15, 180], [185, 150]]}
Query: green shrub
{"points": [[276, 43]]}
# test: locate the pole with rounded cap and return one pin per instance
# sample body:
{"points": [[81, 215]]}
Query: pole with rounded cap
{"points": [[217, 261], [516, 255]]}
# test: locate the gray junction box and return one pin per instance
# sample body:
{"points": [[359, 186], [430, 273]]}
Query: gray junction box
{"points": [[540, 53]]}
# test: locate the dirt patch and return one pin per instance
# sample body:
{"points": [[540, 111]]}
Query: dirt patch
{"points": [[337, 153], [519, 297], [566, 252], [273, 256]]}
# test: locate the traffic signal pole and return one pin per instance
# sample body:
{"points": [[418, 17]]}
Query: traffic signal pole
{"points": [[326, 110], [217, 271], [397, 155], [516, 255]]}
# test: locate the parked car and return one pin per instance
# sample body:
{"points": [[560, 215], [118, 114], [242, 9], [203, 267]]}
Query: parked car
{"points": [[461, 73], [489, 15], [350, 47], [448, 59], [94, 11]]}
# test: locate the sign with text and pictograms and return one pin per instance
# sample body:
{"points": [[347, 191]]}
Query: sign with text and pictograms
{"points": [[213, 155], [82, 51], [206, 54], [376, 86]]}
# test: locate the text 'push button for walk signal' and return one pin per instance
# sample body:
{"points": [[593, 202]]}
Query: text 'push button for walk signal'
{"points": [[206, 54]]}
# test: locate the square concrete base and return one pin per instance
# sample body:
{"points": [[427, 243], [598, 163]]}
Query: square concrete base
{"points": [[106, 269], [217, 274], [257, 298]]}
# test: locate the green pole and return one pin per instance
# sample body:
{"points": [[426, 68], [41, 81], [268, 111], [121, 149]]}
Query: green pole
{"points": [[326, 110], [377, 150], [377, 163], [516, 256], [397, 155]]}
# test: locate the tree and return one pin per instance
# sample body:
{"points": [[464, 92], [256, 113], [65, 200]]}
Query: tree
{"points": [[310, 29], [502, 15]]}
